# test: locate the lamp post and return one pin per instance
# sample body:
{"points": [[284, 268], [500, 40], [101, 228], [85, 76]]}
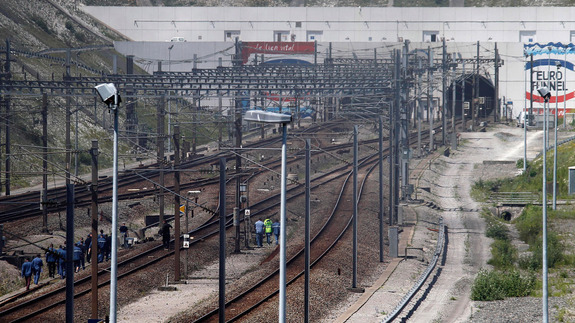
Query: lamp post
{"points": [[284, 119], [169, 100], [525, 119], [565, 88], [556, 124], [110, 96], [544, 92]]}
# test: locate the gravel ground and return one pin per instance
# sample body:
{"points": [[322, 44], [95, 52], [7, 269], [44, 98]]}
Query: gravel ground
{"points": [[449, 180], [524, 309]]}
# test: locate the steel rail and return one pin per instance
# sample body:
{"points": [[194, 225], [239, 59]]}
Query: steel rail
{"points": [[300, 253], [83, 196], [211, 314], [294, 192], [207, 226], [422, 278]]}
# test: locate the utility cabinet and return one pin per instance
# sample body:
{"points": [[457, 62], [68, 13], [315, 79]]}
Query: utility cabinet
{"points": [[571, 180]]}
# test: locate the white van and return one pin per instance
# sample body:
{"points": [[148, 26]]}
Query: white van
{"points": [[521, 119]]}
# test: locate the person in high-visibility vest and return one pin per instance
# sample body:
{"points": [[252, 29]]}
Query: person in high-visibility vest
{"points": [[268, 229]]}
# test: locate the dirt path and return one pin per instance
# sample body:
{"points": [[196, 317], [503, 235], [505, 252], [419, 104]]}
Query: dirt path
{"points": [[469, 249]]}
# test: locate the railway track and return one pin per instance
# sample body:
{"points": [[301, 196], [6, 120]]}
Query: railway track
{"points": [[26, 205], [150, 257], [237, 307], [52, 299], [264, 292], [47, 301]]}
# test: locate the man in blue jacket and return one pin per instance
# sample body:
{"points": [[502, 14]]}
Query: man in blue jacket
{"points": [[27, 272], [83, 248], [62, 262], [259, 226], [51, 257], [88, 247], [37, 265], [101, 246], [276, 229], [77, 257]]}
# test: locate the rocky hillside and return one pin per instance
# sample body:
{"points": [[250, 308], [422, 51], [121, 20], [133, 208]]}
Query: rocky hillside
{"points": [[47, 27]]}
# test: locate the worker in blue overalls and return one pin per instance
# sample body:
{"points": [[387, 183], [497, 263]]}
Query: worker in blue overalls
{"points": [[101, 246]]}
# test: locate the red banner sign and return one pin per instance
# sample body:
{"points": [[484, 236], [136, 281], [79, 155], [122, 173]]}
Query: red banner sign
{"points": [[249, 48]]}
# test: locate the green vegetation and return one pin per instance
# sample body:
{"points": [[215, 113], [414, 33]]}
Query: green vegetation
{"points": [[497, 285], [519, 163], [529, 224], [70, 26], [531, 180], [503, 254], [515, 276], [41, 23], [504, 280], [496, 229], [530, 227]]}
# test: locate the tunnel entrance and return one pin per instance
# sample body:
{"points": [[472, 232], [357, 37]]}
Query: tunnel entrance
{"points": [[485, 98]]}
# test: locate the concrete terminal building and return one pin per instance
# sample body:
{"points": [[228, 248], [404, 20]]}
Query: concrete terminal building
{"points": [[356, 32]]}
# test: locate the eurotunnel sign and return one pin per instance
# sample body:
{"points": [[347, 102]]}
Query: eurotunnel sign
{"points": [[555, 72], [546, 73]]}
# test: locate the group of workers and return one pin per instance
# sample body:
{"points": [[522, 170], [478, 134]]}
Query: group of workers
{"points": [[268, 227], [56, 258], [30, 268]]}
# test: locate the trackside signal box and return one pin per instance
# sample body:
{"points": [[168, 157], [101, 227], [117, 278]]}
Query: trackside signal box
{"points": [[571, 180]]}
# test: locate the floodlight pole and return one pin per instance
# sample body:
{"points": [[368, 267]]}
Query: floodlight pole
{"points": [[544, 205], [565, 89], [556, 124], [277, 118], [282, 305], [525, 121], [113, 273]]}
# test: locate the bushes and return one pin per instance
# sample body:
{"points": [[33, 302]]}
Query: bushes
{"points": [[41, 23], [519, 163], [503, 254], [529, 224], [530, 229], [70, 26], [497, 230], [496, 285], [554, 251]]}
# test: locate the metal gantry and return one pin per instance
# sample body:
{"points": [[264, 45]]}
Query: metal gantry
{"points": [[372, 89], [371, 86]]}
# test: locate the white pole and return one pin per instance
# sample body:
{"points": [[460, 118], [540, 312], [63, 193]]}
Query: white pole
{"points": [[565, 90], [544, 205], [282, 301], [113, 273], [169, 101], [556, 124], [525, 122]]}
